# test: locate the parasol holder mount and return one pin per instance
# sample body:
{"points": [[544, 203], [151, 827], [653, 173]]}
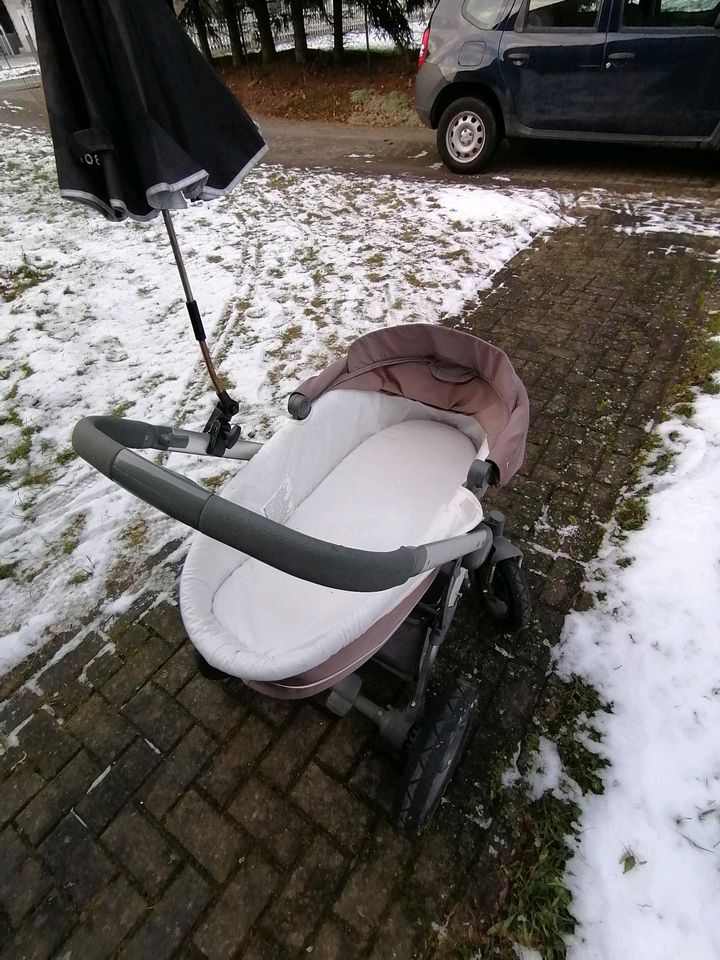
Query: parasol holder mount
{"points": [[222, 435]]}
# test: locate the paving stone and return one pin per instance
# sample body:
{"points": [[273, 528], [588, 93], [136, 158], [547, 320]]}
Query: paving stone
{"points": [[292, 917], [397, 939], [57, 797], [22, 784], [166, 621], [78, 864], [46, 744], [263, 948], [112, 917], [375, 780], [21, 705], [212, 705], [141, 849], [373, 880], [332, 806], [105, 665], [67, 699], [175, 673], [334, 942], [232, 764], [177, 771], [104, 731], [157, 716], [137, 671], [231, 919], [70, 665], [271, 820], [22, 882], [207, 835], [129, 638], [123, 778], [44, 930], [341, 750], [171, 920], [294, 748], [276, 712]]}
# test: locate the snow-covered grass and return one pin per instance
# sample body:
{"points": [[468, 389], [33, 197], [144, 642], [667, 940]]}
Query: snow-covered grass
{"points": [[645, 876], [288, 271], [20, 72]]}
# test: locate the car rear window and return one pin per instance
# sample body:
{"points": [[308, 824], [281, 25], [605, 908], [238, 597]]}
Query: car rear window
{"points": [[562, 14], [484, 13], [670, 13]]}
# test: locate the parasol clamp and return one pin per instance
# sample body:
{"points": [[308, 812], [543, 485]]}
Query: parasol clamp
{"points": [[222, 435]]}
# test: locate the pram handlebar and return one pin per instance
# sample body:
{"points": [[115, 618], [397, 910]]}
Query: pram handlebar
{"points": [[103, 442]]}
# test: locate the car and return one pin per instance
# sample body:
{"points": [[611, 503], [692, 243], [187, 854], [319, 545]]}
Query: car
{"points": [[629, 71]]}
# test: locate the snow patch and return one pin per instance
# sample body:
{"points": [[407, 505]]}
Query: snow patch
{"points": [[645, 875]]}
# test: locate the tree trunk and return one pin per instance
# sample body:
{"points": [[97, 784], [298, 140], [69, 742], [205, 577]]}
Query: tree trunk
{"points": [[230, 14], [201, 28], [267, 41], [337, 31], [298, 21]]}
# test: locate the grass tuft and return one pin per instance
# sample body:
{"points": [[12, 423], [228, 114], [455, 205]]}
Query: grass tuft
{"points": [[15, 281], [7, 570]]}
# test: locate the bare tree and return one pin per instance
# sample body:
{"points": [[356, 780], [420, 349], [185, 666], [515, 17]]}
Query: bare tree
{"points": [[297, 11], [337, 17], [229, 9], [265, 30], [197, 13]]}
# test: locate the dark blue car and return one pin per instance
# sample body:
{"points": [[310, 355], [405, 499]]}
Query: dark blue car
{"points": [[635, 71]]}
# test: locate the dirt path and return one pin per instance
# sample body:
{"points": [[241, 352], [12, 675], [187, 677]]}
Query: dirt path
{"points": [[406, 152]]}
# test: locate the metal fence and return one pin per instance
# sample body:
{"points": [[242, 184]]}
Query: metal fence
{"points": [[317, 24]]}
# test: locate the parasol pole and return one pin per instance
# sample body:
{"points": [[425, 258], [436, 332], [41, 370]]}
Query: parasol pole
{"points": [[222, 435]]}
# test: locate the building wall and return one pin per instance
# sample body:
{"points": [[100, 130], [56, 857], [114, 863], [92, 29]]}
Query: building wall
{"points": [[19, 10]]}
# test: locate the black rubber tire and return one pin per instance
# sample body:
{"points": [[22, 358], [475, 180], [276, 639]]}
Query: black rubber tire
{"points": [[468, 105], [434, 754], [506, 595]]}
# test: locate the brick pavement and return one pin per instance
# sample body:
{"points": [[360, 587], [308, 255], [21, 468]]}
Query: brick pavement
{"points": [[148, 812]]}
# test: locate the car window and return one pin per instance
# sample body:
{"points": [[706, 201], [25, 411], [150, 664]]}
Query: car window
{"points": [[562, 14], [670, 13], [484, 13]]}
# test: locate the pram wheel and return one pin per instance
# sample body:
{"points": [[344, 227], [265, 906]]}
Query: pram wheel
{"points": [[506, 594], [434, 754]]}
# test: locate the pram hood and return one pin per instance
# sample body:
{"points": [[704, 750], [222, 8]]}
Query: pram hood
{"points": [[443, 368]]}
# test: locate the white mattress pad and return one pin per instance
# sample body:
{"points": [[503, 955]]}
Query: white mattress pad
{"points": [[399, 486]]}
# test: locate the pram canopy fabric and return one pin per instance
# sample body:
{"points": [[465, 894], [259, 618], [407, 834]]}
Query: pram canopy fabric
{"points": [[443, 368], [140, 121]]}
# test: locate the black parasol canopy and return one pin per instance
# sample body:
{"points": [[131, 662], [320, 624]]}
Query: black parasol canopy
{"points": [[140, 121]]}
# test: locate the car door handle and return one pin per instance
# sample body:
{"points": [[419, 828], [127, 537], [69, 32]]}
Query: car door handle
{"points": [[517, 58], [618, 59]]}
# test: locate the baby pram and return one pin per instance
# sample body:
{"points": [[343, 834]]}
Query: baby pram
{"points": [[351, 534]]}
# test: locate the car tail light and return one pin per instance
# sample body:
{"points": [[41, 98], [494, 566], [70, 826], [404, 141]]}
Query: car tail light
{"points": [[424, 47]]}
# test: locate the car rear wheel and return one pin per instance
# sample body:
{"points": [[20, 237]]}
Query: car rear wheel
{"points": [[467, 135]]}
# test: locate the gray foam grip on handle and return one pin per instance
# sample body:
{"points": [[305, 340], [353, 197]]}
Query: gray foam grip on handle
{"points": [[299, 555]]}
